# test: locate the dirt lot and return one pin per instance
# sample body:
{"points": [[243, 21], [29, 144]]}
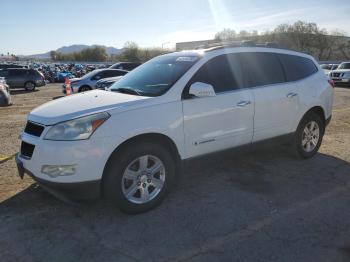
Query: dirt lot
{"points": [[262, 206]]}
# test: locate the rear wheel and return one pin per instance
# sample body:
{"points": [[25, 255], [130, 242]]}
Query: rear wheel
{"points": [[308, 137], [139, 177], [29, 86]]}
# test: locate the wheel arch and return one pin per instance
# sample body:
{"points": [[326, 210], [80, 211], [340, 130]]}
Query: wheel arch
{"points": [[154, 138], [317, 110]]}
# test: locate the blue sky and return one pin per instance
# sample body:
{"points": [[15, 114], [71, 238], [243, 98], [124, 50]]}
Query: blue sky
{"points": [[37, 26]]}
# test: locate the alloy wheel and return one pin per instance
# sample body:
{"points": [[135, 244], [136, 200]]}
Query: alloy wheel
{"points": [[310, 136], [143, 179]]}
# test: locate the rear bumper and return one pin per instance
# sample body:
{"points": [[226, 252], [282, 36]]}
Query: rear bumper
{"points": [[64, 191]]}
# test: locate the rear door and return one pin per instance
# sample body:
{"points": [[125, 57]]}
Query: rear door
{"points": [[224, 120], [276, 100]]}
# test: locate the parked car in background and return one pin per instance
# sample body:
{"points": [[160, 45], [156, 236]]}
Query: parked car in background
{"points": [[128, 66], [5, 66], [5, 97], [341, 76], [28, 79], [128, 144], [105, 83], [327, 68], [88, 81]]}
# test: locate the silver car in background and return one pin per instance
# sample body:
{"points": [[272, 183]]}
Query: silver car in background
{"points": [[88, 81], [105, 83]]}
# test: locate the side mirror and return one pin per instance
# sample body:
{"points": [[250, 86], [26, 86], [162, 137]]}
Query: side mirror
{"points": [[199, 89]]}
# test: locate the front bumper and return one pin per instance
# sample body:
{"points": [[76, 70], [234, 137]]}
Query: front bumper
{"points": [[341, 81], [64, 191]]}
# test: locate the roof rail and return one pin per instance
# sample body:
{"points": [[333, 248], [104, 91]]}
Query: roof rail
{"points": [[244, 43]]}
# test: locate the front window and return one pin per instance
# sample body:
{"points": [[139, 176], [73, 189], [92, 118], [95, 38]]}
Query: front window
{"points": [[155, 77], [344, 66]]}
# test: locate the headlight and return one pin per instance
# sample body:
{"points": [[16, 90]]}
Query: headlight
{"points": [[76, 129]]}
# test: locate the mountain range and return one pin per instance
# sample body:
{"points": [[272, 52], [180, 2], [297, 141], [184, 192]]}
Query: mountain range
{"points": [[75, 48]]}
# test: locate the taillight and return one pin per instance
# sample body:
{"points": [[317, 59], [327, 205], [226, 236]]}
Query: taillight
{"points": [[331, 82]]}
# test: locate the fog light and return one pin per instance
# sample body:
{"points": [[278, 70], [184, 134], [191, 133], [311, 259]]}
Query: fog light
{"points": [[55, 171]]}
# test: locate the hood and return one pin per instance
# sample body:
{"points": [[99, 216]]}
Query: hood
{"points": [[341, 71], [86, 103], [74, 80]]}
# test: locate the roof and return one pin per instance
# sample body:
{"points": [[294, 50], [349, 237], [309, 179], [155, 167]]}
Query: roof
{"points": [[221, 45]]}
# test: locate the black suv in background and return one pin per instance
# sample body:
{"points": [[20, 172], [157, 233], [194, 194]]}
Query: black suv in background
{"points": [[5, 66], [128, 66], [29, 79]]}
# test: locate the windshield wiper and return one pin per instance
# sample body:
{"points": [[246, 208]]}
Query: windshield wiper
{"points": [[130, 91]]}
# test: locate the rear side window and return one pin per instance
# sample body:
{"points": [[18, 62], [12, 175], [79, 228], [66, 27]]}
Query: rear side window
{"points": [[222, 72], [297, 67], [34, 73], [261, 69]]}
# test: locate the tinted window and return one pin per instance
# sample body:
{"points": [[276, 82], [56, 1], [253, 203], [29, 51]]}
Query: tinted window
{"points": [[114, 73], [344, 66], [297, 67], [222, 72], [261, 69], [3, 73], [16, 72]]}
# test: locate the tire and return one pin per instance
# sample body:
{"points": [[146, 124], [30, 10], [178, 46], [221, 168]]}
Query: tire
{"points": [[138, 190], [29, 86], [311, 121], [84, 89]]}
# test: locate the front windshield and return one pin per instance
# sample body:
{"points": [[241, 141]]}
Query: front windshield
{"points": [[334, 67], [157, 76], [344, 66]]}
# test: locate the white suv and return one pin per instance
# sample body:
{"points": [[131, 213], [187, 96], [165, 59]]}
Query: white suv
{"points": [[128, 143]]}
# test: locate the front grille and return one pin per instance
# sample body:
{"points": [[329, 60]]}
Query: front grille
{"points": [[27, 149], [33, 129]]}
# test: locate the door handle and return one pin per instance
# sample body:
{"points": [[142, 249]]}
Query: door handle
{"points": [[291, 95], [243, 103]]}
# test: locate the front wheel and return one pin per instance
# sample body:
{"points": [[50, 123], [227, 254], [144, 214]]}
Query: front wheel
{"points": [[308, 137], [138, 178]]}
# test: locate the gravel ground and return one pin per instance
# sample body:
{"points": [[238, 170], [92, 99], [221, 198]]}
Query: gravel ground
{"points": [[261, 206]]}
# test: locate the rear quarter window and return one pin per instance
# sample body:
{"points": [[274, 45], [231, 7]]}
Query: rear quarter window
{"points": [[297, 67]]}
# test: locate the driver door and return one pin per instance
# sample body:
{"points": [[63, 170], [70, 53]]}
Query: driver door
{"points": [[222, 121]]}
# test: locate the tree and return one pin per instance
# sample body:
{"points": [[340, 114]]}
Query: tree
{"points": [[130, 52], [302, 36], [226, 35], [53, 55]]}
